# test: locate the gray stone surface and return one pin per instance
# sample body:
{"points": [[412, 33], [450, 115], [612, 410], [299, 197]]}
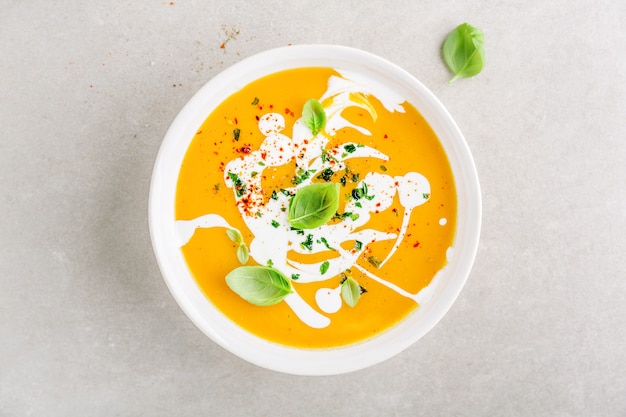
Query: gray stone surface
{"points": [[87, 325]]}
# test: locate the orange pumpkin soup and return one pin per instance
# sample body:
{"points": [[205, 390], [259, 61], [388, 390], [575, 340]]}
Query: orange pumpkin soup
{"points": [[263, 154]]}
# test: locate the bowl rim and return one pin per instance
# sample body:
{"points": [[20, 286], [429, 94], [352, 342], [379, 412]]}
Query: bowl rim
{"points": [[252, 348]]}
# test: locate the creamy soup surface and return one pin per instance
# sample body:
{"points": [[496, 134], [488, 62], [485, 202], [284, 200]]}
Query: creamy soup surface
{"points": [[392, 230]]}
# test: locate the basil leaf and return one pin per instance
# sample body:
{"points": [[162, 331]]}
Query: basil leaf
{"points": [[374, 261], [243, 254], [313, 205], [314, 116], [350, 291], [235, 236], [463, 51], [259, 285]]}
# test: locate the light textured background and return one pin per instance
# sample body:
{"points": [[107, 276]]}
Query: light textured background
{"points": [[87, 325]]}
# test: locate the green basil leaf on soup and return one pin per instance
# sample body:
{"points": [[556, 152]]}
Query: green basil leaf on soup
{"points": [[314, 116], [350, 291], [243, 254], [259, 285], [313, 205], [464, 52], [235, 236]]}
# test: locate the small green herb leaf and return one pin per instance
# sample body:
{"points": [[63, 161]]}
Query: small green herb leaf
{"points": [[324, 267], [326, 174], [313, 205], [243, 254], [240, 186], [236, 133], [464, 52], [259, 285], [374, 261], [235, 236], [314, 116], [350, 291], [325, 243], [308, 243]]}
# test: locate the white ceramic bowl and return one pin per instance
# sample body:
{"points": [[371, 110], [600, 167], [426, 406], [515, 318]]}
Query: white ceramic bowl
{"points": [[222, 330]]}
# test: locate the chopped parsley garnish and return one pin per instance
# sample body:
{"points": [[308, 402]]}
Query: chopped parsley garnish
{"points": [[326, 174], [383, 168], [236, 133], [328, 157], [302, 176], [295, 276], [361, 192], [325, 242], [274, 195], [354, 177], [275, 224], [240, 187], [255, 101], [350, 148], [324, 267], [341, 216], [374, 261], [358, 245], [308, 243]]}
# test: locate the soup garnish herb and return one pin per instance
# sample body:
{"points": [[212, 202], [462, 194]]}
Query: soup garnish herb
{"points": [[314, 116], [259, 285], [243, 255], [242, 250], [350, 291], [314, 205], [324, 267], [464, 52]]}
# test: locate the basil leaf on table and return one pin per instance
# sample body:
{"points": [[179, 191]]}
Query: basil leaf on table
{"points": [[350, 291], [314, 116], [313, 205], [259, 285], [464, 52]]}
